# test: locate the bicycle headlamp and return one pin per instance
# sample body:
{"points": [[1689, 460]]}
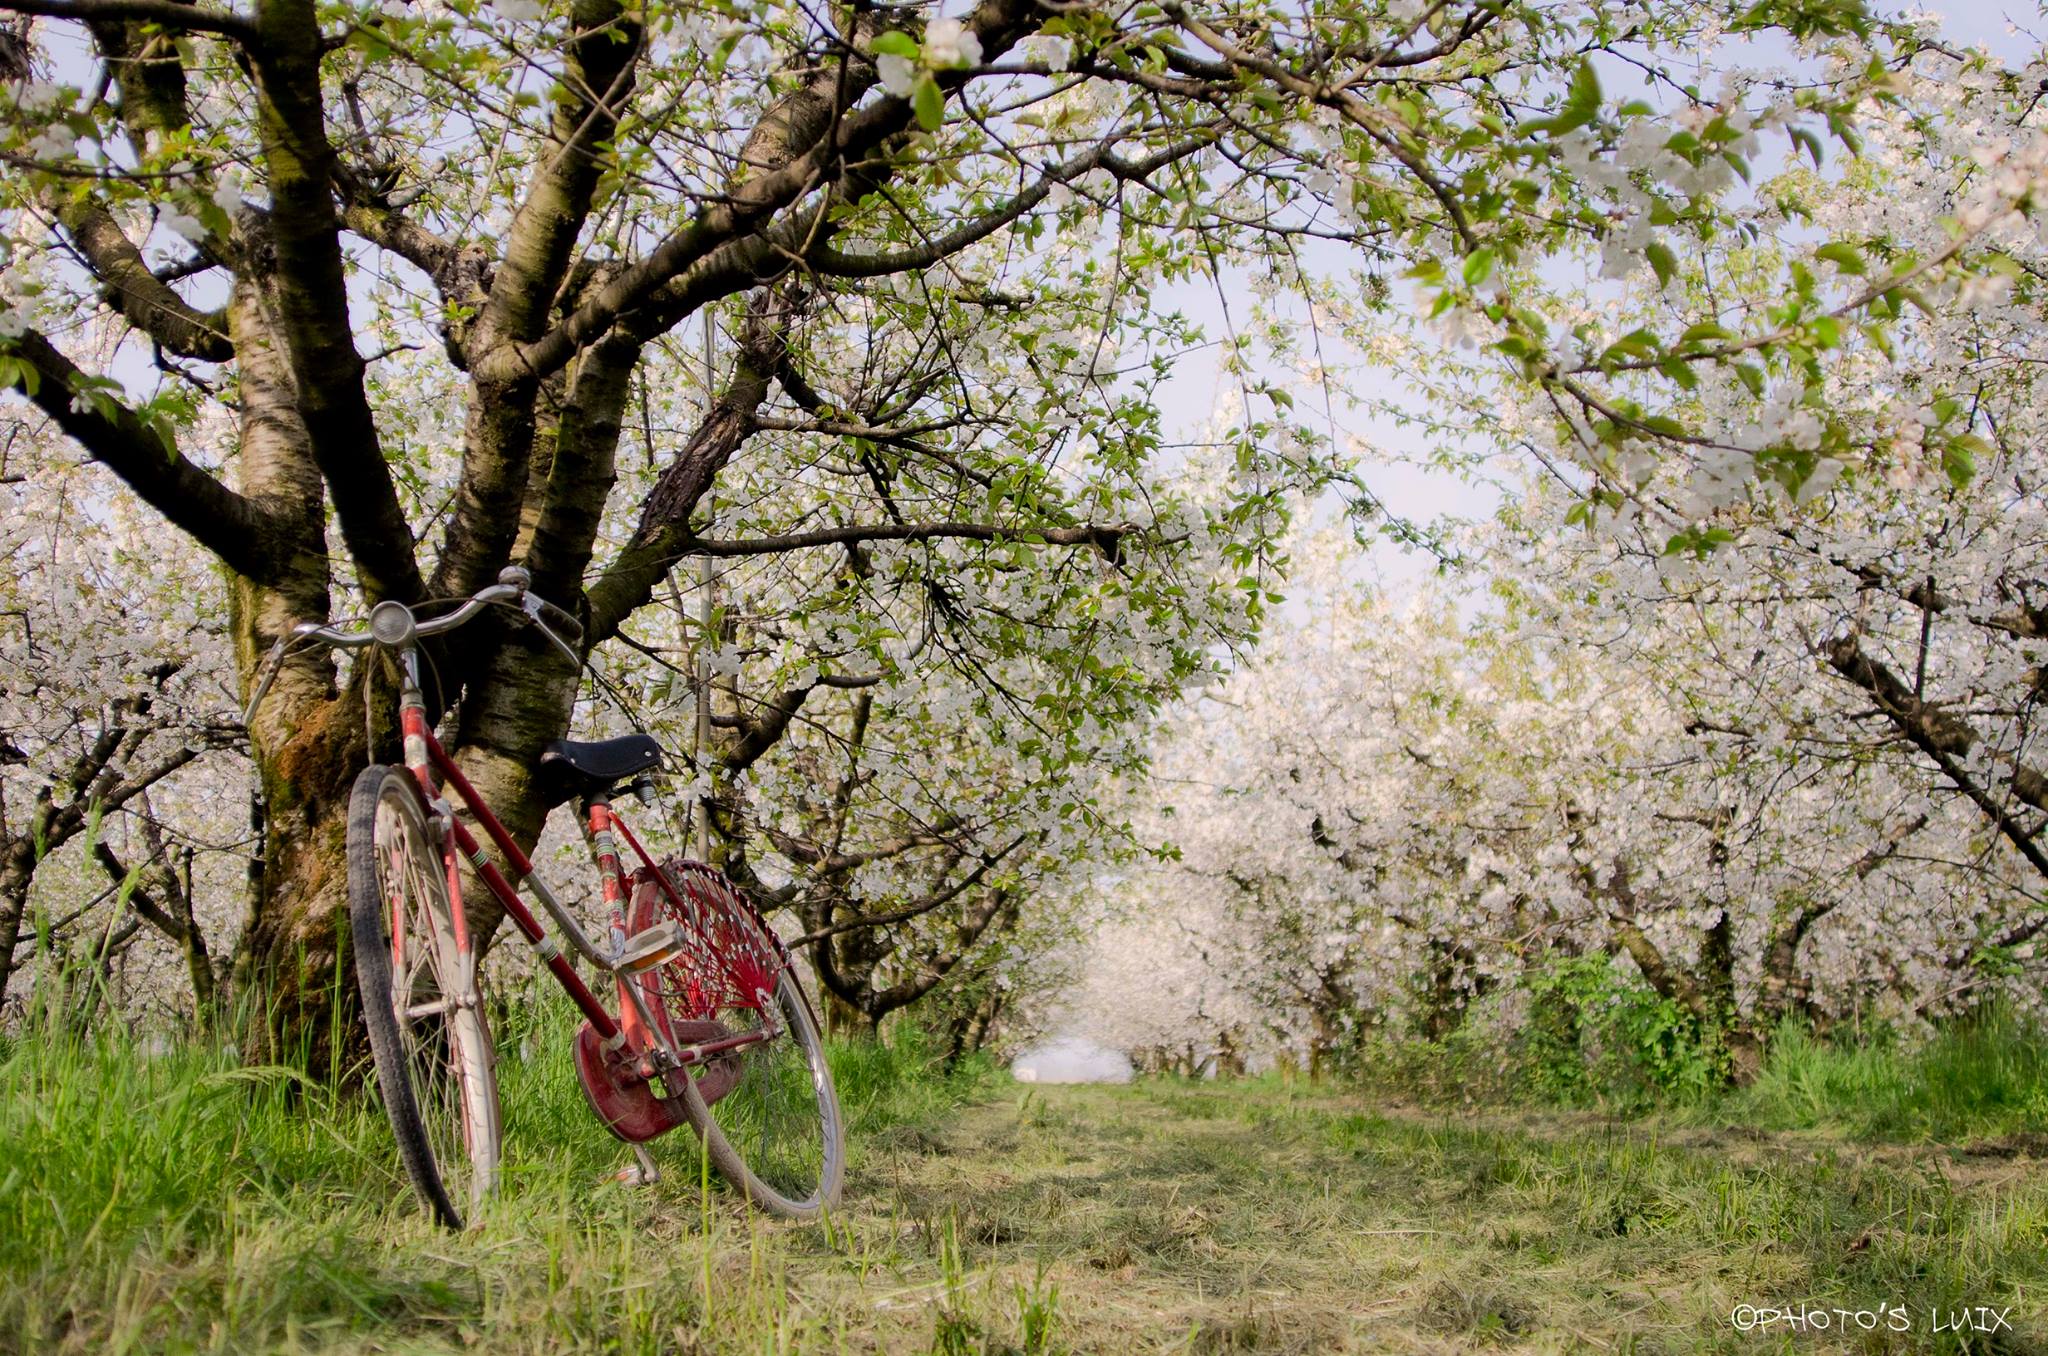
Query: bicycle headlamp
{"points": [[391, 623]]}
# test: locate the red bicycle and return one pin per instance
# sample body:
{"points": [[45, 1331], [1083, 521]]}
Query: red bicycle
{"points": [[713, 1028]]}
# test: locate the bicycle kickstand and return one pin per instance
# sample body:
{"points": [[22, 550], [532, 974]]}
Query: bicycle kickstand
{"points": [[640, 1173]]}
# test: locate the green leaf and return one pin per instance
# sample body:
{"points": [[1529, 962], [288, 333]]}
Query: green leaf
{"points": [[1843, 256], [896, 44], [1700, 541], [928, 103], [19, 372], [1662, 260], [1637, 343], [1679, 371], [2005, 265], [1582, 104], [1959, 458], [1479, 266]]}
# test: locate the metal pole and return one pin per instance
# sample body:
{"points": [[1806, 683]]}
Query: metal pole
{"points": [[706, 578]]}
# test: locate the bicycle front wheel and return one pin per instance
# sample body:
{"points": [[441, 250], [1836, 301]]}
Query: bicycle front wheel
{"points": [[767, 1111], [416, 973]]}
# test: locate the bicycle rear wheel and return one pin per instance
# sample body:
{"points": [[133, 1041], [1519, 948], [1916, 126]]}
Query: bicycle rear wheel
{"points": [[767, 1112], [421, 1002]]}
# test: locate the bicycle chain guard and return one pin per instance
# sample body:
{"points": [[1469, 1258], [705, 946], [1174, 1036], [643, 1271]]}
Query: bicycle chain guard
{"points": [[709, 957], [628, 1104]]}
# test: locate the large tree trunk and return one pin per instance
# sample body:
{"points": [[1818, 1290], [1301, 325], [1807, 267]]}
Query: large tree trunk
{"points": [[291, 964], [308, 738], [17, 873]]}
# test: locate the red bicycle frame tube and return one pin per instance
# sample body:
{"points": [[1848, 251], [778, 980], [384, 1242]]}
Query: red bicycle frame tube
{"points": [[413, 723], [613, 878], [660, 876], [668, 888]]}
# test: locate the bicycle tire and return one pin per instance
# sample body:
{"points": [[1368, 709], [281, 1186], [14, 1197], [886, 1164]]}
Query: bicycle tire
{"points": [[775, 1109], [435, 1070]]}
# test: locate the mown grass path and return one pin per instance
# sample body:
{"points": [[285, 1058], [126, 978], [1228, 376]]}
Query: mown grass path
{"points": [[1212, 1218], [182, 1203]]}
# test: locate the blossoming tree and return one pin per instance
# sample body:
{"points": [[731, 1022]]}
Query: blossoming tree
{"points": [[430, 261]]}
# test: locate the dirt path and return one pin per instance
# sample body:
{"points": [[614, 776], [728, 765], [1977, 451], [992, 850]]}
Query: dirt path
{"points": [[1173, 1218]]}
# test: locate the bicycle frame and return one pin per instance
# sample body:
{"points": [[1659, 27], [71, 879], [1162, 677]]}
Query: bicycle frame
{"points": [[633, 1039]]}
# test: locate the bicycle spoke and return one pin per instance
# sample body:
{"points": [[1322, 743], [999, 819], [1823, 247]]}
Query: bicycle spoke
{"points": [[767, 1106]]}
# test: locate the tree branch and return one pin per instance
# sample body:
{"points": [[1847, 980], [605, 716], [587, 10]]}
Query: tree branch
{"points": [[802, 143], [1928, 726], [1942, 738], [169, 13], [222, 521], [1104, 538], [923, 906], [596, 80], [146, 302], [658, 540], [831, 261], [312, 302]]}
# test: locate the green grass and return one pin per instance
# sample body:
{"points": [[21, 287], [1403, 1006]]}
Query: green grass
{"points": [[1977, 1079], [1983, 1079], [177, 1202], [180, 1201]]}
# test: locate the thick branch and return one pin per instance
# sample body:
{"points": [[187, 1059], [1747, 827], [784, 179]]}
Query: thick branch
{"points": [[142, 298], [664, 519], [1932, 729], [312, 302], [579, 474], [799, 146], [996, 904], [596, 82], [171, 14], [390, 229], [921, 907], [1938, 743], [1105, 538], [222, 521]]}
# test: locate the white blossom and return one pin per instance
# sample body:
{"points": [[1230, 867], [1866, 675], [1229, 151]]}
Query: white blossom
{"points": [[1053, 52], [898, 74], [949, 43]]}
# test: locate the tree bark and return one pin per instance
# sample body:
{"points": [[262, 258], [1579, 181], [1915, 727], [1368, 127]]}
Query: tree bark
{"points": [[17, 873]]}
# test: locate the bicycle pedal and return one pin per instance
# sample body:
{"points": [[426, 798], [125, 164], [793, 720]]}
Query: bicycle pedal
{"points": [[646, 949]]}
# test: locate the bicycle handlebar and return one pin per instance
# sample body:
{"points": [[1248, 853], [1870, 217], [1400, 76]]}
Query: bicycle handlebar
{"points": [[398, 627]]}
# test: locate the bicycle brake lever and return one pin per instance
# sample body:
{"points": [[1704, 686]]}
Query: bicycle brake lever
{"points": [[532, 607], [265, 677]]}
